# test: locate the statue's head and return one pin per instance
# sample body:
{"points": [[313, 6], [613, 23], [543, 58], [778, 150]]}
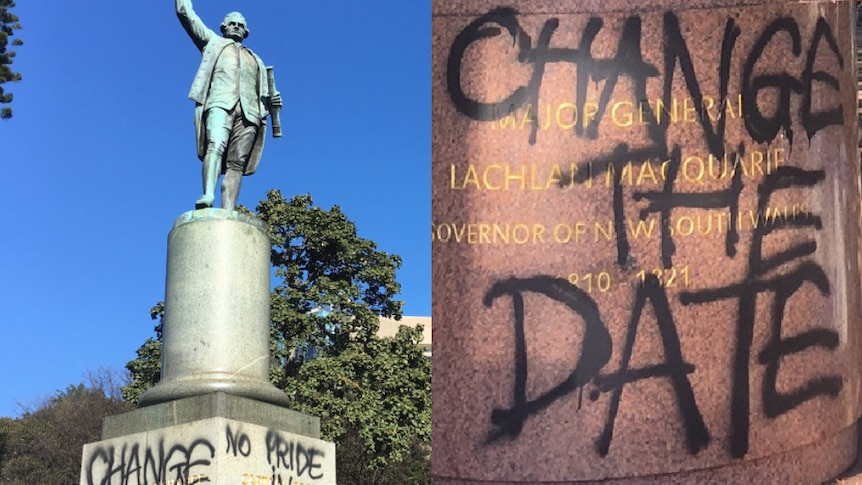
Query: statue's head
{"points": [[233, 26]]}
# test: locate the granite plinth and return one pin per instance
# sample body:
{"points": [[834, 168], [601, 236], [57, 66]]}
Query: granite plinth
{"points": [[218, 404], [212, 450], [217, 309], [645, 241]]}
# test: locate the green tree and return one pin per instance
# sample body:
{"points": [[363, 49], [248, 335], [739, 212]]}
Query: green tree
{"points": [[8, 25], [373, 394], [374, 399], [322, 262], [44, 444], [145, 370]]}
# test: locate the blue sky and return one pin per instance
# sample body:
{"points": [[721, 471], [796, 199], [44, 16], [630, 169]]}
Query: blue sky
{"points": [[100, 160]]}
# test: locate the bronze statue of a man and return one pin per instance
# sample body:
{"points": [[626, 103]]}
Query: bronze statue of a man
{"points": [[232, 99]]}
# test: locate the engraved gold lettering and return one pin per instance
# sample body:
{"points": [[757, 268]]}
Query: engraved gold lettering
{"points": [[500, 233], [562, 233], [689, 110], [684, 226], [489, 233], [534, 185], [471, 177], [721, 171], [677, 276], [526, 119], [606, 230], [756, 162], [709, 108], [623, 113], [777, 160], [580, 230], [510, 177], [622, 119], [664, 165], [642, 113], [472, 234], [441, 233], [626, 177], [486, 181], [641, 228], [484, 234], [520, 234], [646, 171], [699, 169], [738, 164], [672, 113], [506, 122], [729, 107], [452, 177], [547, 117], [574, 109], [590, 282], [590, 110]]}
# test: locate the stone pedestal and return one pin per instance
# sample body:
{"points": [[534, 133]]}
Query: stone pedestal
{"points": [[217, 297], [215, 438], [645, 240], [214, 417]]}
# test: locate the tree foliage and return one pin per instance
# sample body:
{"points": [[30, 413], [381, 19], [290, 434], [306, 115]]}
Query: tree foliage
{"points": [[44, 444], [373, 394], [8, 25], [146, 369], [374, 399], [322, 262]]}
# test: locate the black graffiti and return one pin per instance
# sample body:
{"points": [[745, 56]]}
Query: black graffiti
{"points": [[237, 442], [761, 272], [674, 368], [814, 122], [665, 201], [764, 128], [629, 62], [597, 345], [615, 164], [760, 127], [595, 354], [282, 452], [774, 402], [676, 51], [129, 464], [758, 280], [473, 32], [662, 202]]}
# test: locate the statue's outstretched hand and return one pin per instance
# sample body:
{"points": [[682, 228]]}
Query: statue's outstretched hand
{"points": [[275, 101]]}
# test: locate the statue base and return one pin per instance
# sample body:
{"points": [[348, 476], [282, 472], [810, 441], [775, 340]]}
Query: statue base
{"points": [[217, 315], [213, 438]]}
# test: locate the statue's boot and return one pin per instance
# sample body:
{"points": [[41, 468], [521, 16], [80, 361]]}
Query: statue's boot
{"points": [[205, 202], [210, 177], [230, 189]]}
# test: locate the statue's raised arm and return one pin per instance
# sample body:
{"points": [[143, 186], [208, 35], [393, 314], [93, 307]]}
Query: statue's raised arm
{"points": [[193, 24]]}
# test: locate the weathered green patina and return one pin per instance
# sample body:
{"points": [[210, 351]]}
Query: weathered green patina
{"points": [[232, 98]]}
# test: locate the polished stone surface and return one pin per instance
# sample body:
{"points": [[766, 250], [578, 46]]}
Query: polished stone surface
{"points": [[217, 309], [612, 299], [217, 404]]}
